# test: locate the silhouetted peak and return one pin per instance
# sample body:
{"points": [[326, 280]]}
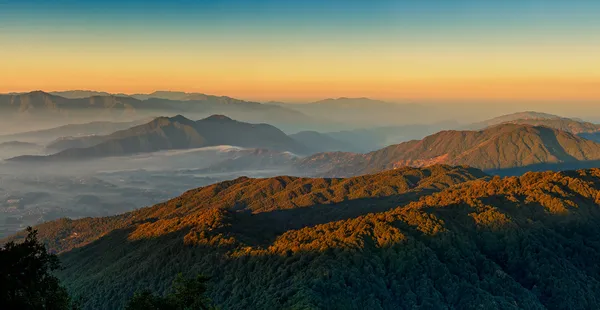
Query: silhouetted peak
{"points": [[37, 93], [218, 117], [180, 119]]}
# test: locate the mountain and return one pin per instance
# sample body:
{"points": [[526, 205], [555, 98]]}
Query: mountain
{"points": [[43, 108], [39, 110], [374, 138], [514, 117], [322, 142], [438, 238], [184, 96], [499, 148], [167, 133], [11, 144], [65, 143], [16, 148], [564, 124], [362, 112], [45, 136], [575, 126], [80, 94]]}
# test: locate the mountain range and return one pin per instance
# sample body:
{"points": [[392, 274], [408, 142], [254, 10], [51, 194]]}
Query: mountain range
{"points": [[43, 108], [439, 237], [500, 148], [71, 131], [363, 112], [167, 133], [572, 125], [512, 147]]}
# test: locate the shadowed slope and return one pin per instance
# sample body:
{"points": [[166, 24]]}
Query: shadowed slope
{"points": [[259, 196], [178, 132], [526, 242], [501, 147]]}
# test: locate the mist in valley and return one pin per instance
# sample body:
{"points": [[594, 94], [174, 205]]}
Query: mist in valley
{"points": [[32, 192]]}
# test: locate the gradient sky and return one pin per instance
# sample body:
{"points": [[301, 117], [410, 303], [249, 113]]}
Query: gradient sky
{"points": [[305, 50]]}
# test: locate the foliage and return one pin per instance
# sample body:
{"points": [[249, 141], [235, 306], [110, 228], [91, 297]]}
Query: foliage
{"points": [[26, 281], [187, 294], [528, 242]]}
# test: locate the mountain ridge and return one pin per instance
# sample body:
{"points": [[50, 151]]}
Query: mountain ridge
{"points": [[504, 146], [178, 132], [494, 243]]}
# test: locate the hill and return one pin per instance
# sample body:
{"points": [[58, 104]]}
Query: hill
{"points": [[368, 242], [177, 132], [16, 148], [498, 149]]}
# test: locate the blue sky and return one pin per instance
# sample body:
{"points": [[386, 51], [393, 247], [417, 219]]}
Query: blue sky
{"points": [[271, 49]]}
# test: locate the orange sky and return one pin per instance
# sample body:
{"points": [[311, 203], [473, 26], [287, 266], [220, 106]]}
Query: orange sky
{"points": [[466, 52]]}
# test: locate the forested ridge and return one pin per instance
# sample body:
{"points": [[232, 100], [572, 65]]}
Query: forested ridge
{"points": [[507, 148], [436, 238]]}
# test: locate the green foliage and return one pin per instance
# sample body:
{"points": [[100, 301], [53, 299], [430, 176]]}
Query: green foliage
{"points": [[187, 294], [413, 239], [26, 281]]}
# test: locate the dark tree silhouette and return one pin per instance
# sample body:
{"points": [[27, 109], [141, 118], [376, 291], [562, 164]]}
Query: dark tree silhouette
{"points": [[26, 281]]}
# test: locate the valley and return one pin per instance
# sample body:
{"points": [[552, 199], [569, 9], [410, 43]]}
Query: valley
{"points": [[288, 213]]}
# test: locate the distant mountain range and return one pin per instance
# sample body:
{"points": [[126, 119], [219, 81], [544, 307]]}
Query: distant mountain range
{"points": [[374, 138], [362, 112], [45, 108], [166, 133], [575, 126], [71, 131], [519, 116], [511, 147], [498, 148]]}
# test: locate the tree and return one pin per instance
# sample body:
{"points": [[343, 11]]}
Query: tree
{"points": [[187, 294], [26, 279]]}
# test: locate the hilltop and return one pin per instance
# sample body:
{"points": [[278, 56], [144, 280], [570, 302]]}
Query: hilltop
{"points": [[502, 147], [438, 237]]}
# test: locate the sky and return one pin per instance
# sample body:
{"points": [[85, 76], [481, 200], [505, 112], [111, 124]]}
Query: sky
{"points": [[430, 50]]}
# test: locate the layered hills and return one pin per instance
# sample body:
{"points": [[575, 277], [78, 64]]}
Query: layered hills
{"points": [[574, 126], [167, 133], [43, 136], [503, 147], [365, 112], [43, 107], [439, 237]]}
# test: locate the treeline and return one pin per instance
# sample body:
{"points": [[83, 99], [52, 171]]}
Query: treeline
{"points": [[528, 242]]}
